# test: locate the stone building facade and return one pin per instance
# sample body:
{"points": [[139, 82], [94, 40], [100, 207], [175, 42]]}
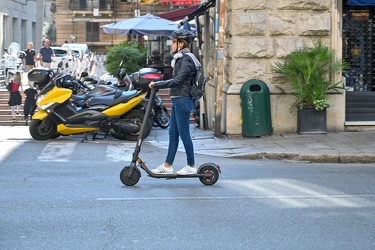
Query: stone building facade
{"points": [[18, 23], [252, 36], [22, 21], [82, 19]]}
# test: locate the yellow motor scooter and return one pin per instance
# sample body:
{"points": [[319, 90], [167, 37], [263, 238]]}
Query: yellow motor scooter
{"points": [[109, 110]]}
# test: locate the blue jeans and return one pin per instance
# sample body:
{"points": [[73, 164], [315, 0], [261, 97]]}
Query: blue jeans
{"points": [[180, 127]]}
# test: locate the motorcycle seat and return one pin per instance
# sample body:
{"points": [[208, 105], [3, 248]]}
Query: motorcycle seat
{"points": [[80, 97], [104, 90], [120, 96]]}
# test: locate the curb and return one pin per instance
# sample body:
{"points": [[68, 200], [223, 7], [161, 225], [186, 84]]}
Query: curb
{"points": [[313, 158]]}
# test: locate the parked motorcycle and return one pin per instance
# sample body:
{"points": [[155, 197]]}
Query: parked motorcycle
{"points": [[13, 57], [107, 109], [140, 80], [40, 76]]}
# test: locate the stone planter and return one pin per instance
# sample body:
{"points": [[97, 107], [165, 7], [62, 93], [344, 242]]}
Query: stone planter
{"points": [[311, 121]]}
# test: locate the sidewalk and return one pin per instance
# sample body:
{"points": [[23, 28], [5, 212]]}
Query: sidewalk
{"points": [[333, 147]]}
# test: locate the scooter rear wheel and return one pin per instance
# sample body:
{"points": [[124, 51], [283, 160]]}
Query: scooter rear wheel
{"points": [[130, 181], [209, 168]]}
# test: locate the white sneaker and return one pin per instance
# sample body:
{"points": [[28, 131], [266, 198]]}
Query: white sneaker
{"points": [[187, 170], [162, 170]]}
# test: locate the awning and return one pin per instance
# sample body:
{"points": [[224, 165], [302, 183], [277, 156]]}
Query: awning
{"points": [[179, 14], [361, 2], [142, 25]]}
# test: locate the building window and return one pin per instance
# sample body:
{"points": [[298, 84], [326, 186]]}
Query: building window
{"points": [[102, 4], [82, 4], [88, 5], [92, 32]]}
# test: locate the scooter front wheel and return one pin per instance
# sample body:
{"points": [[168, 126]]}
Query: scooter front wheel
{"points": [[42, 130], [212, 170], [130, 181]]}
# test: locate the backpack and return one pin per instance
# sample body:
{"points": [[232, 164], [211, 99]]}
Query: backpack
{"points": [[9, 86], [198, 84]]}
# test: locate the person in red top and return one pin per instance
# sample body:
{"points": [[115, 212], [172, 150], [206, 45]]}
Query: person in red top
{"points": [[15, 98]]}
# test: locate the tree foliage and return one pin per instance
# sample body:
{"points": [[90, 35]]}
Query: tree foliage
{"points": [[49, 32], [132, 54]]}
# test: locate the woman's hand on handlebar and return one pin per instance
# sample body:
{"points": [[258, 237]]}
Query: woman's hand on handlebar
{"points": [[151, 85]]}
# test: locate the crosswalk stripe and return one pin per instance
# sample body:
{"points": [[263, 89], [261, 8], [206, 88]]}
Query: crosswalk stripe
{"points": [[57, 151], [117, 153], [62, 151]]}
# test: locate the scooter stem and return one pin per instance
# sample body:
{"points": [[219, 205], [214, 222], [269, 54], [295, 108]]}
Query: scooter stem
{"points": [[141, 132]]}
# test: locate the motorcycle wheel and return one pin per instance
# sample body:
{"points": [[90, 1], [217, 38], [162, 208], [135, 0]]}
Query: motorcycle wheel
{"points": [[162, 118], [42, 130], [135, 117]]}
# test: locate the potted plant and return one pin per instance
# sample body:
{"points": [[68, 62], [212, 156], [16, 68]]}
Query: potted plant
{"points": [[309, 71]]}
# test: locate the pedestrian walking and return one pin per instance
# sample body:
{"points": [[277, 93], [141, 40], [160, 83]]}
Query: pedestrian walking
{"points": [[182, 103], [15, 98], [29, 101], [46, 54], [29, 61]]}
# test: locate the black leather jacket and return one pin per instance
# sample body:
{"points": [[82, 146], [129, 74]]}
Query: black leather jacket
{"points": [[183, 73]]}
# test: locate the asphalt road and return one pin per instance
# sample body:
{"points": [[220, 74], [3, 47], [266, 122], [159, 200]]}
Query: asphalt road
{"points": [[65, 194]]}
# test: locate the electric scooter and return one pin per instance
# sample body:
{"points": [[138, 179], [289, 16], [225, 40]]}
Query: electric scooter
{"points": [[208, 173]]}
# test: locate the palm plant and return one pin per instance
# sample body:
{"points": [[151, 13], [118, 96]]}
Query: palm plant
{"points": [[309, 72]]}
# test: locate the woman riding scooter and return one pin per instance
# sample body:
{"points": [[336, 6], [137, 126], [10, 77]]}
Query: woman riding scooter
{"points": [[182, 103]]}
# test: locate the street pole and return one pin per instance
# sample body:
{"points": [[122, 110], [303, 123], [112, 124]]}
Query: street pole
{"points": [[217, 84]]}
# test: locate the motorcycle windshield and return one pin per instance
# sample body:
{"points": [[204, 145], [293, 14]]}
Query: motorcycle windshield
{"points": [[14, 48]]}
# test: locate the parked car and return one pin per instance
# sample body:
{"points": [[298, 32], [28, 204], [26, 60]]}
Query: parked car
{"points": [[77, 53], [81, 46], [62, 54]]}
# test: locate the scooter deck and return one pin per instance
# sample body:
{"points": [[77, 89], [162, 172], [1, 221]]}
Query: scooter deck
{"points": [[176, 176]]}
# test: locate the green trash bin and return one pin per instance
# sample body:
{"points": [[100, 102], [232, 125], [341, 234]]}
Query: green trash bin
{"points": [[256, 109]]}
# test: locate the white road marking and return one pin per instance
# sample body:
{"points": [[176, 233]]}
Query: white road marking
{"points": [[116, 153], [234, 197], [57, 151]]}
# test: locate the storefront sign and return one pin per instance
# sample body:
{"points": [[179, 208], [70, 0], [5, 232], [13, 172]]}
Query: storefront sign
{"points": [[180, 2]]}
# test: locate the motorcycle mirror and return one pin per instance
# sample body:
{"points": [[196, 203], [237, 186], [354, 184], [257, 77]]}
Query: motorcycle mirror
{"points": [[60, 64], [21, 54]]}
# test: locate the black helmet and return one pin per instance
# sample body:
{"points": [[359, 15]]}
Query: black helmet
{"points": [[121, 73], [186, 35]]}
